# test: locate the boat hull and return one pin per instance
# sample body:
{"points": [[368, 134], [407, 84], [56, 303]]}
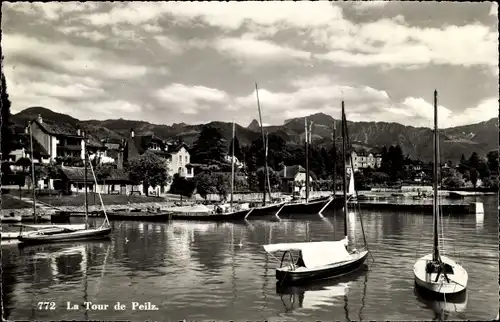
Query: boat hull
{"points": [[296, 277], [427, 283], [39, 237], [225, 216], [264, 211], [303, 208], [130, 215], [10, 219]]}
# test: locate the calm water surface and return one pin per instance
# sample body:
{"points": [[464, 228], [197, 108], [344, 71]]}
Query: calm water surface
{"points": [[219, 271]]}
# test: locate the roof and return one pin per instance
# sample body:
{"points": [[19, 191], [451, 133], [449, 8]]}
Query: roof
{"points": [[57, 129], [174, 148], [315, 254], [70, 147], [76, 174], [26, 144], [291, 171]]}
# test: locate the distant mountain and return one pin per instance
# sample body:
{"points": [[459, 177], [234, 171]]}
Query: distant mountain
{"points": [[254, 125], [415, 141]]}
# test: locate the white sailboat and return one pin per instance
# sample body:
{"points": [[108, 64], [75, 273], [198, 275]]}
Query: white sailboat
{"points": [[63, 234], [326, 259], [434, 272]]}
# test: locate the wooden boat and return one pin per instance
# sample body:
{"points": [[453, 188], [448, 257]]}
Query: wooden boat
{"points": [[433, 272], [61, 233], [142, 215], [321, 260], [15, 235], [10, 218], [448, 306]]}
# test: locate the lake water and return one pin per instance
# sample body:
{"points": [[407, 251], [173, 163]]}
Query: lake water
{"points": [[219, 271]]}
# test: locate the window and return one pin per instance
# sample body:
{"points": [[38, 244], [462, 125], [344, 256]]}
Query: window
{"points": [[187, 160], [180, 158]]}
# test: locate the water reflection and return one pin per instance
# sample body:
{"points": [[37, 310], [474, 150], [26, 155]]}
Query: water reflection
{"points": [[320, 294], [220, 270], [445, 308]]}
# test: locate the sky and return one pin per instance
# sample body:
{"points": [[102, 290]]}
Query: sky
{"points": [[171, 62]]}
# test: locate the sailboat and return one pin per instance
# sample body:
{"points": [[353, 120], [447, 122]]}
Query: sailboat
{"points": [[321, 260], [274, 207], [440, 275], [234, 211], [61, 233], [306, 206]]}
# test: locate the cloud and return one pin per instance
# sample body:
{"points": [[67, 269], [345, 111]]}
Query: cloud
{"points": [[421, 113], [371, 4], [258, 51], [494, 9], [69, 58], [386, 42], [312, 97], [485, 110], [51, 10], [191, 99]]}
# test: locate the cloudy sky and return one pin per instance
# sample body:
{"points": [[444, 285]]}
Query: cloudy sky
{"points": [[196, 62]]}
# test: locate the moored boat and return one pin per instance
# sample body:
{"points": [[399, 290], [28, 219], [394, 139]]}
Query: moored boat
{"points": [[62, 234], [10, 218], [325, 259], [437, 274]]}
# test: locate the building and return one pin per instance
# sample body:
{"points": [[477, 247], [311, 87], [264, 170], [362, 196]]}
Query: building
{"points": [[364, 160], [237, 163], [61, 140], [117, 182], [179, 160], [293, 179], [175, 155]]}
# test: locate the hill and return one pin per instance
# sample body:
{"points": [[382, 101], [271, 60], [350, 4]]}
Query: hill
{"points": [[415, 141]]}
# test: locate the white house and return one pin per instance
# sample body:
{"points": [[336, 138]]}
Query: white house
{"points": [[179, 157]]}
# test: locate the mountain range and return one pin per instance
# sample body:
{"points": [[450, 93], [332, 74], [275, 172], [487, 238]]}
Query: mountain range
{"points": [[414, 141]]}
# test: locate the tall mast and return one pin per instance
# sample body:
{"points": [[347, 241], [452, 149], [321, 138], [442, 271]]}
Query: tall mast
{"points": [[232, 168], [268, 177], [344, 167], [435, 255], [264, 144], [85, 179], [334, 159], [33, 172], [307, 158]]}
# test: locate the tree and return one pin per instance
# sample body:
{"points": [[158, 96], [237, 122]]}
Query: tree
{"points": [[210, 146], [205, 184], [451, 179], [149, 169], [182, 186], [260, 180], [103, 172], [492, 161], [7, 137], [237, 150], [474, 175], [474, 160], [380, 178]]}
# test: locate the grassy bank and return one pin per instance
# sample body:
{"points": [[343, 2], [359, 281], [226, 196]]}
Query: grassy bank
{"points": [[93, 199], [8, 202]]}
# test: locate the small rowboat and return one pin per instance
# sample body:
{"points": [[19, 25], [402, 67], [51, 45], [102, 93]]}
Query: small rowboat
{"points": [[12, 217]]}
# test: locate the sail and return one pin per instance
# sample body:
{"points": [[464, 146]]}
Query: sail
{"points": [[351, 191], [316, 254]]}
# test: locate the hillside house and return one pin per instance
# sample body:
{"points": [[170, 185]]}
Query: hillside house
{"points": [[364, 160], [117, 182], [293, 179], [179, 160], [61, 140], [176, 155]]}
